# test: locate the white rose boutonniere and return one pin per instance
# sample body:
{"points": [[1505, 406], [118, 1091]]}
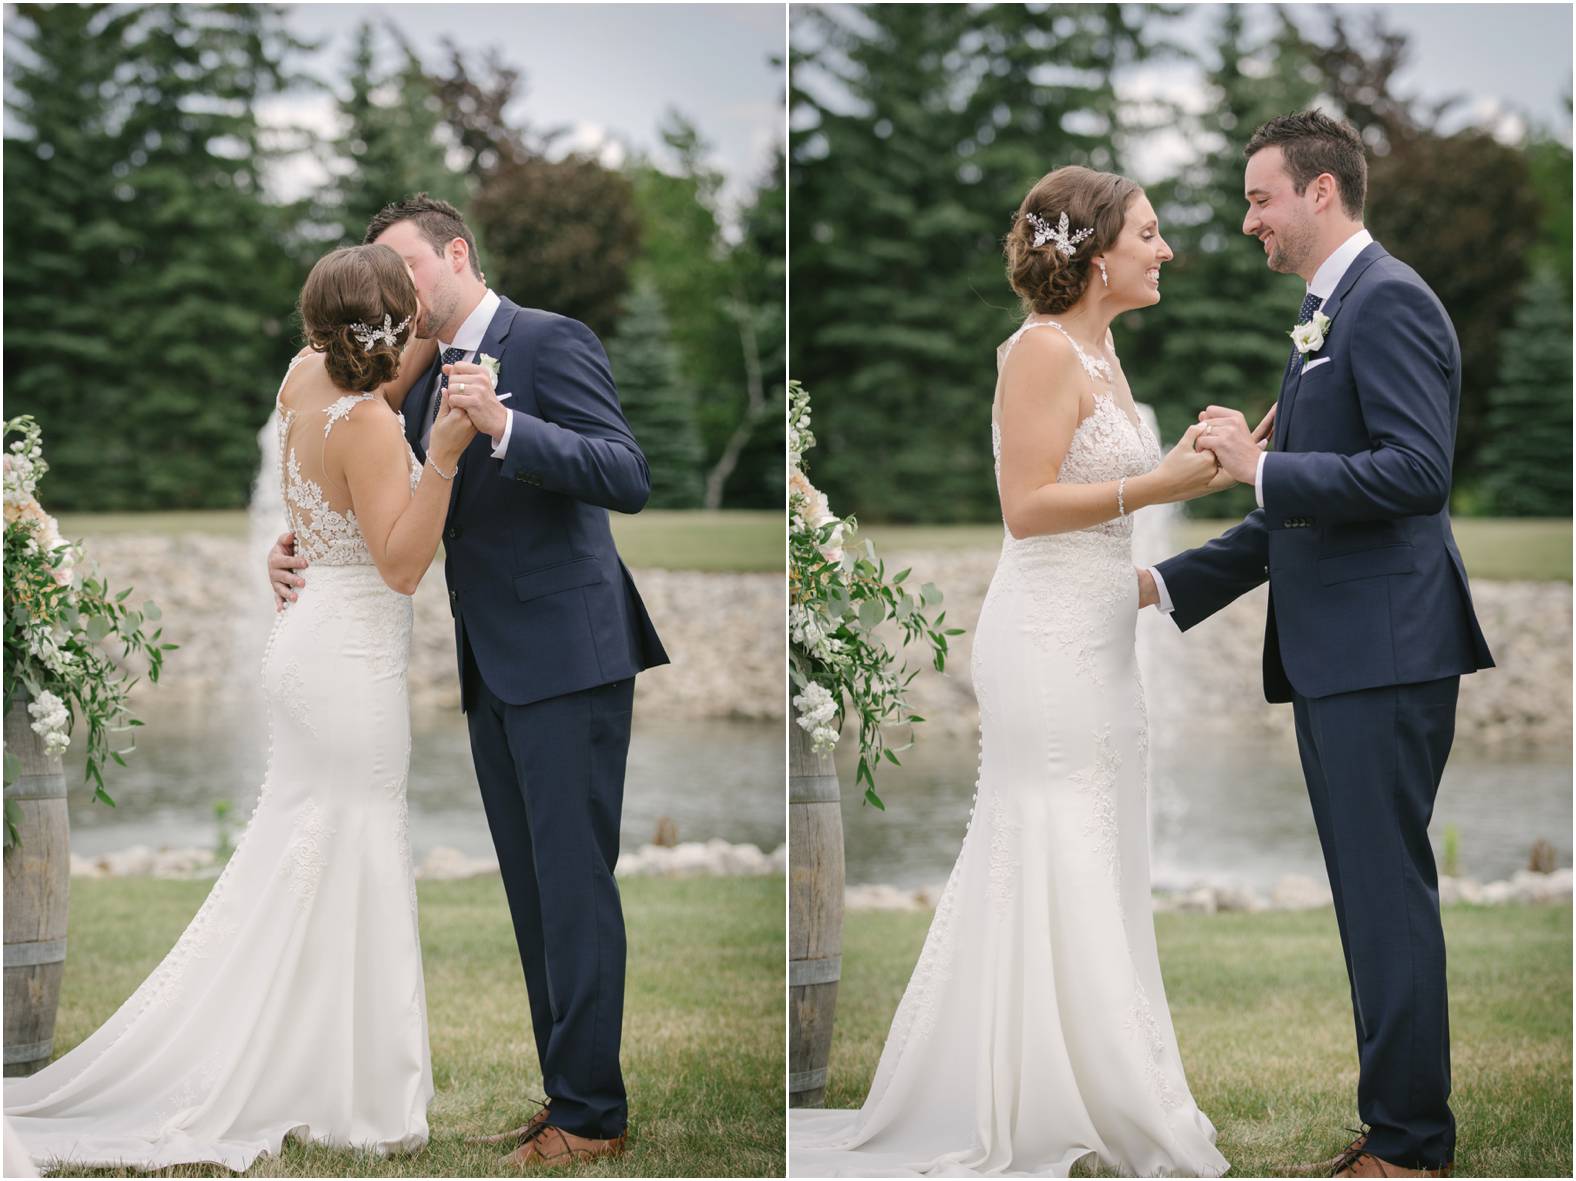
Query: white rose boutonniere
{"points": [[1309, 337], [491, 364]]}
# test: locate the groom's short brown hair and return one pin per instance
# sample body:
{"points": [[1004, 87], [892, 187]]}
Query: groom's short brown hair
{"points": [[439, 222], [1313, 144]]}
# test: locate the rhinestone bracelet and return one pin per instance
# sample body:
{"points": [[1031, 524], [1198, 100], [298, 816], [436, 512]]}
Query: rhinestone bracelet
{"points": [[446, 475]]}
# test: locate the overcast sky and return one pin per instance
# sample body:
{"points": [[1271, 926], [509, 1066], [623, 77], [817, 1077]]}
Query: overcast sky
{"points": [[1511, 62], [606, 71]]}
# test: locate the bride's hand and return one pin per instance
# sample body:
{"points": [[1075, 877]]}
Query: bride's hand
{"points": [[451, 433], [1187, 473]]}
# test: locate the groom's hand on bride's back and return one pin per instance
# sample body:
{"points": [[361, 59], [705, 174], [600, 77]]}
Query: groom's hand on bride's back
{"points": [[282, 567]]}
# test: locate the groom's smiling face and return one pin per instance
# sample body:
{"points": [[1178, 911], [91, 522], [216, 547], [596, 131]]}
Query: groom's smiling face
{"points": [[1277, 215]]}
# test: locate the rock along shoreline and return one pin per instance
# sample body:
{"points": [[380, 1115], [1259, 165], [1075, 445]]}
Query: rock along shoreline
{"points": [[1292, 892], [715, 858]]}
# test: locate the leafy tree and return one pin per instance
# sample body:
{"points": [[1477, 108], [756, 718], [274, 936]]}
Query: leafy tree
{"points": [[749, 469], [1432, 194], [658, 401], [560, 233], [724, 300], [902, 191]]}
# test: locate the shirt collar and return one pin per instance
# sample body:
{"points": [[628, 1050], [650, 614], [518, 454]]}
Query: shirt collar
{"points": [[1328, 276], [469, 337]]}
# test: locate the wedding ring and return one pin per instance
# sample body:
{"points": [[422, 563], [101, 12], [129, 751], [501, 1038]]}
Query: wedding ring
{"points": [[459, 387]]}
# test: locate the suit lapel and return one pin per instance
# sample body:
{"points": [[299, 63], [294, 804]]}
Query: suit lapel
{"points": [[1370, 254]]}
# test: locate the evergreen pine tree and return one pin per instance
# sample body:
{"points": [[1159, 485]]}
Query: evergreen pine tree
{"points": [[1527, 452], [1212, 338], [156, 277], [902, 193], [657, 401], [390, 147]]}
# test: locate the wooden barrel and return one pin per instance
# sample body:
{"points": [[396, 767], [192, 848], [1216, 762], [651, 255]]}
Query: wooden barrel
{"points": [[815, 915], [37, 879]]}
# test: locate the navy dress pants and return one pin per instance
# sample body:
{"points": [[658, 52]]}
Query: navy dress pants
{"points": [[1373, 760], [552, 781]]}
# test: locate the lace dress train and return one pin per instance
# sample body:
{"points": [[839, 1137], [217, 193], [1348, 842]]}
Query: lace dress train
{"points": [[1034, 1030], [294, 1001]]}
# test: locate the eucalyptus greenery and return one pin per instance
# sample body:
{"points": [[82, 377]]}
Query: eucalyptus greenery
{"points": [[839, 663], [58, 621]]}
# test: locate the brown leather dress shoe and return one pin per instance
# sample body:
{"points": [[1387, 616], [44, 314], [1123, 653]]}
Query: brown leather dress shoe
{"points": [[516, 1136], [548, 1147], [1366, 1164], [1328, 1167]]}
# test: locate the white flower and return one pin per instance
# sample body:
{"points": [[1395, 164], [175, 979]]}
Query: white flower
{"points": [[1309, 337], [817, 709], [491, 364], [51, 722]]}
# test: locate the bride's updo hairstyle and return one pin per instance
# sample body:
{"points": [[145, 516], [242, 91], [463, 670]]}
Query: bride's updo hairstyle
{"points": [[1047, 281], [343, 305]]}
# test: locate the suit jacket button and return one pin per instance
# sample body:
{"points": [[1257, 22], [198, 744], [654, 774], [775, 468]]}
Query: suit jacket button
{"points": [[454, 596], [451, 533]]}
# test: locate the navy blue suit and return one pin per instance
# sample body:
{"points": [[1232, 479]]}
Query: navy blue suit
{"points": [[1370, 628], [550, 633]]}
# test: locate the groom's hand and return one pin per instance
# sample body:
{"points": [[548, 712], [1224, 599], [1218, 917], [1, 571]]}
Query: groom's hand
{"points": [[1226, 434], [1148, 593], [282, 567], [471, 390]]}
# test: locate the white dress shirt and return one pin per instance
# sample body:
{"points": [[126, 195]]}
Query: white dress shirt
{"points": [[1325, 280], [469, 337]]}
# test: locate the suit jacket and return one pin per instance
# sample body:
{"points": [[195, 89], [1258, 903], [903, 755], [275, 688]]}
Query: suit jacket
{"points": [[1367, 587], [535, 581]]}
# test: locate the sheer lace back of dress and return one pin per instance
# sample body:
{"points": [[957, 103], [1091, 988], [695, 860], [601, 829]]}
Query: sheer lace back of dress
{"points": [[317, 507]]}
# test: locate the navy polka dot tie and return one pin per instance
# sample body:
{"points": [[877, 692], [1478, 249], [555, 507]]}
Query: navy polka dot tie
{"points": [[450, 356], [1310, 304]]}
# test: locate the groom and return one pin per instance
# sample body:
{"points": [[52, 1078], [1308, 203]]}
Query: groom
{"points": [[1370, 620], [550, 633]]}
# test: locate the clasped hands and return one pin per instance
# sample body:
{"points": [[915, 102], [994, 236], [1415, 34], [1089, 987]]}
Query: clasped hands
{"points": [[471, 389], [1236, 449]]}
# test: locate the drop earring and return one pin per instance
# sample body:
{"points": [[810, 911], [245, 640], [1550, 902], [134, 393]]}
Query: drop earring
{"points": [[1104, 277]]}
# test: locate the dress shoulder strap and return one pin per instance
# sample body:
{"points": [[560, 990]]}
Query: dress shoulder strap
{"points": [[341, 408], [1006, 346]]}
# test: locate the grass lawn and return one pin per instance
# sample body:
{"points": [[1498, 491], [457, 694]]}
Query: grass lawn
{"points": [[1263, 1016], [1498, 549], [703, 1048], [663, 539]]}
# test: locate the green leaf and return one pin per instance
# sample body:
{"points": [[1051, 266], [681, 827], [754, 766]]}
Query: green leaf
{"points": [[13, 768], [874, 800], [872, 612], [150, 610], [99, 627]]}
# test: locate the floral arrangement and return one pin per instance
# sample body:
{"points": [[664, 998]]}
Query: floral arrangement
{"points": [[56, 621], [837, 599]]}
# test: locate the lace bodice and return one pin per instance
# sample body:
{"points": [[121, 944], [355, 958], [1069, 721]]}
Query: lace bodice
{"points": [[325, 533], [1106, 445]]}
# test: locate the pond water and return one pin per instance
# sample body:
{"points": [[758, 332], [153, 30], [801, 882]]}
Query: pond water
{"points": [[1218, 818], [711, 778]]}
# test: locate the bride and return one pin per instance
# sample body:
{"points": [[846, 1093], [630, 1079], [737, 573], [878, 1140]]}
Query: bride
{"points": [[1034, 1030], [294, 1001]]}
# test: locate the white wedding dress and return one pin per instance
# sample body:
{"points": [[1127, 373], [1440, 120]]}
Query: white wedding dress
{"points": [[294, 1001], [1034, 1030]]}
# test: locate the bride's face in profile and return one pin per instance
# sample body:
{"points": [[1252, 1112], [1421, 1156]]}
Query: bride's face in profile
{"points": [[1134, 261]]}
